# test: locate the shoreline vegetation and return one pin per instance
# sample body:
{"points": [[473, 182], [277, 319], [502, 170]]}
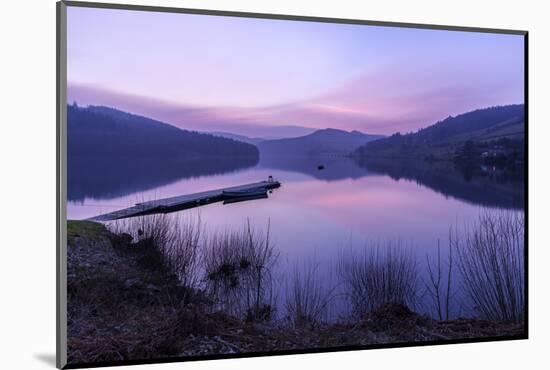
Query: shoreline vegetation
{"points": [[159, 286]]}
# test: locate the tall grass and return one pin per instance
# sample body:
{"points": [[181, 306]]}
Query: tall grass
{"points": [[238, 267], [174, 242], [377, 275], [183, 250], [491, 262], [307, 298]]}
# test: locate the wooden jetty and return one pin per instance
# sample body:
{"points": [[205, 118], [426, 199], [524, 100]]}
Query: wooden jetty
{"points": [[181, 202]]}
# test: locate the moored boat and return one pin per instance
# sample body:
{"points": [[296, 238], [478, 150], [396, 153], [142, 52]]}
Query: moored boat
{"points": [[244, 199], [244, 193]]}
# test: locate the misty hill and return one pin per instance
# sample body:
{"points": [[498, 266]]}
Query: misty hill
{"points": [[237, 137], [320, 142], [445, 138], [104, 131]]}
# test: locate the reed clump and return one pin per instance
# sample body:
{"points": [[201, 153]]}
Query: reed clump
{"points": [[238, 268], [379, 274]]}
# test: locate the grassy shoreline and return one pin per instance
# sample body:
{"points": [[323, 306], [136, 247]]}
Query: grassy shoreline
{"points": [[126, 302]]}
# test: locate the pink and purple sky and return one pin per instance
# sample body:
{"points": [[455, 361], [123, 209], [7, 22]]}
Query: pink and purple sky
{"points": [[259, 77]]}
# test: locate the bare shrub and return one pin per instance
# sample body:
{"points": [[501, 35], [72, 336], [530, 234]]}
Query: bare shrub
{"points": [[491, 262], [238, 267], [307, 298], [378, 275], [440, 278]]}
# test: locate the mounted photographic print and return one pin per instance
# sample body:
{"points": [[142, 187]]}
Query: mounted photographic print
{"points": [[236, 184]]}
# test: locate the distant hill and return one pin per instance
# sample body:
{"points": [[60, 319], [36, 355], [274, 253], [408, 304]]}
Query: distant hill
{"points": [[253, 132], [320, 142], [444, 139], [104, 131]]}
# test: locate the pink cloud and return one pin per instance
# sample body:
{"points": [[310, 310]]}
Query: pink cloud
{"points": [[382, 102]]}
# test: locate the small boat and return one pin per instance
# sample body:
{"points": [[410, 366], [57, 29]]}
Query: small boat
{"points": [[320, 167], [244, 199], [244, 193]]}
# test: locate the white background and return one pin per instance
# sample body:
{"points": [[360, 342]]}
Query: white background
{"points": [[27, 182]]}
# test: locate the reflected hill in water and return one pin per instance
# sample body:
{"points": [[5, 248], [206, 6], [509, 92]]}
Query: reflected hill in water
{"points": [[482, 187], [335, 168], [319, 154], [117, 176], [492, 189], [108, 178]]}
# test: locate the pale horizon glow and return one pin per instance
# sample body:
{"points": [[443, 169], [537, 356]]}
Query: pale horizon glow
{"points": [[257, 76]]}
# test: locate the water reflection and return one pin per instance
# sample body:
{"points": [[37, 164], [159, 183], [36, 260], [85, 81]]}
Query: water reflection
{"points": [[116, 177], [327, 168], [480, 186], [113, 177]]}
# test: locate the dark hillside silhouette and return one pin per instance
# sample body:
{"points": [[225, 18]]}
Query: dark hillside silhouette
{"points": [[112, 153], [103, 131], [444, 138], [472, 121]]}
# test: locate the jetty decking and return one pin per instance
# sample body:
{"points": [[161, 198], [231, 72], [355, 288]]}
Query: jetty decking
{"points": [[181, 202]]}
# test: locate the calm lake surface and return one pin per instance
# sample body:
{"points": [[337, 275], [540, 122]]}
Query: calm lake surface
{"points": [[316, 214]]}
